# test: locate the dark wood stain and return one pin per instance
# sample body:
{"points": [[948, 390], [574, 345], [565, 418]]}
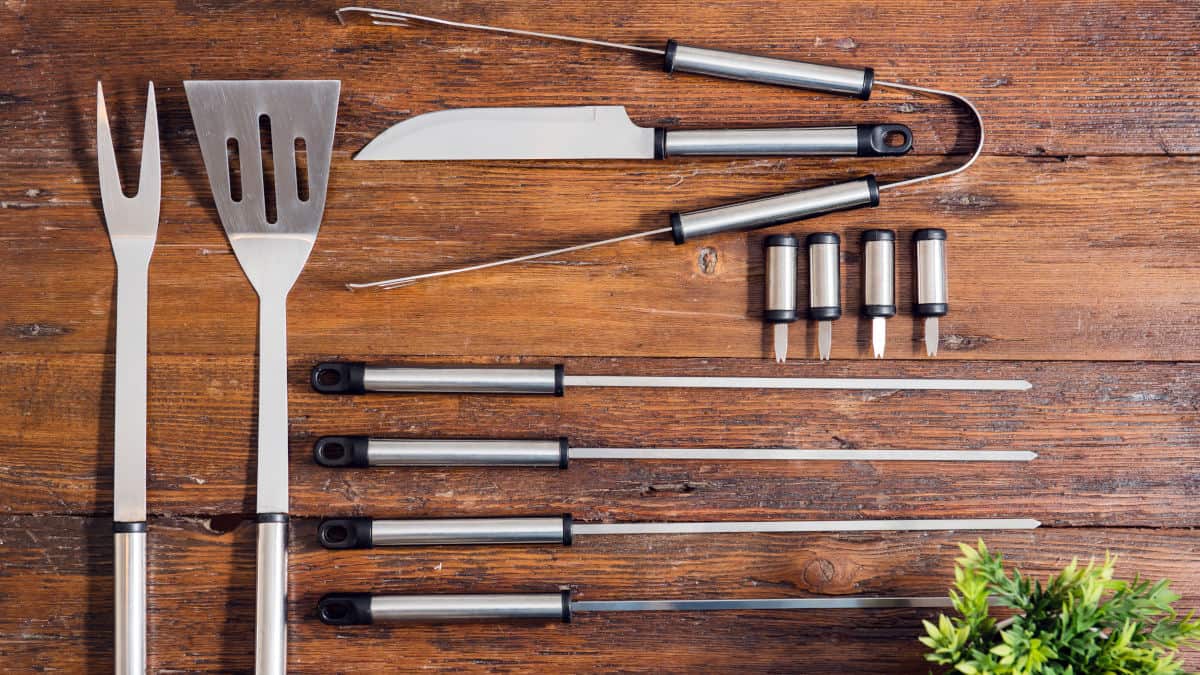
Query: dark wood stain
{"points": [[1072, 263]]}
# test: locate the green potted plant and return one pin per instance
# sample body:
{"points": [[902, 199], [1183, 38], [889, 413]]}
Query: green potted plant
{"points": [[1081, 622]]}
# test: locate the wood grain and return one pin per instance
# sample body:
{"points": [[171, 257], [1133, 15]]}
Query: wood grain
{"points": [[202, 570], [1115, 446], [1090, 257], [1072, 264], [1104, 78]]}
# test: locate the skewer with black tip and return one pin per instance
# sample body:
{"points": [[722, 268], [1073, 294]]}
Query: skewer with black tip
{"points": [[364, 609], [361, 451], [358, 378], [350, 533]]}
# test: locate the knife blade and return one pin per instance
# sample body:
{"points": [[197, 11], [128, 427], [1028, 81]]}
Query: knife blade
{"points": [[606, 132]]}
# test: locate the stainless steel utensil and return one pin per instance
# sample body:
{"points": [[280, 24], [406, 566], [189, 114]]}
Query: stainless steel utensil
{"points": [[346, 533], [749, 215], [362, 451], [132, 228], [229, 114], [358, 378], [357, 609], [606, 132]]}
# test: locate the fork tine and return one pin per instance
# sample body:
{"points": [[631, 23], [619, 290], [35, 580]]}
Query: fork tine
{"points": [[150, 180], [106, 158]]}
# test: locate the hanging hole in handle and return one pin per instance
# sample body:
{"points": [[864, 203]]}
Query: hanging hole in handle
{"points": [[338, 378], [335, 534], [333, 611], [331, 451], [877, 140], [343, 533]]}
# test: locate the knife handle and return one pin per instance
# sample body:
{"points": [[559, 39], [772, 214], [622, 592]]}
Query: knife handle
{"points": [[129, 601], [348, 533], [361, 451], [799, 74], [864, 140], [357, 378], [364, 609], [769, 211]]}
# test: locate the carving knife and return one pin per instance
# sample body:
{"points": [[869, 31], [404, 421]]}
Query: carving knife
{"points": [[358, 378], [347, 533], [360, 609], [361, 451], [606, 132]]}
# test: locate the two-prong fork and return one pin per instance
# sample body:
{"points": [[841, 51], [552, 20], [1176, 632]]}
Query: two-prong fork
{"points": [[132, 226]]}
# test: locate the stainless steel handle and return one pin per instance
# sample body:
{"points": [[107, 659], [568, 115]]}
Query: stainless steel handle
{"points": [[270, 648], [345, 533], [360, 451], [879, 267], [347, 609], [931, 271], [356, 378], [824, 275], [776, 210], [129, 601], [866, 140], [738, 66]]}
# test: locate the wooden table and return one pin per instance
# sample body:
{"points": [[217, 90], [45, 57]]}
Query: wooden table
{"points": [[1073, 263]]}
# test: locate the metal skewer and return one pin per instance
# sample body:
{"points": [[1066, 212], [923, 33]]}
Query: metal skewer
{"points": [[358, 378], [361, 451], [353, 609], [348, 533], [759, 213]]}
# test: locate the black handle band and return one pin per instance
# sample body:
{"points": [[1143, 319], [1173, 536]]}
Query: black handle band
{"points": [[345, 533], [339, 378], [345, 609], [341, 451]]}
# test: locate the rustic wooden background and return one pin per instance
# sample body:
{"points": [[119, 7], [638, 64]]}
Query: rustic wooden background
{"points": [[1073, 261]]}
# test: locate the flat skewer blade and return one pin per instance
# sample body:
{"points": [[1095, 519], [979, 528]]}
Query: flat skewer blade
{"points": [[847, 383], [754, 603], [824, 339], [781, 342], [758, 526], [878, 336], [931, 335], [791, 454]]}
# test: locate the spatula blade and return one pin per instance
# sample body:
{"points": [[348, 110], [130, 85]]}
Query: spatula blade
{"points": [[298, 110]]}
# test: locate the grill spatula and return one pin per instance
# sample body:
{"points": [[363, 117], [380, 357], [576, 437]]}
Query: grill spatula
{"points": [[228, 116]]}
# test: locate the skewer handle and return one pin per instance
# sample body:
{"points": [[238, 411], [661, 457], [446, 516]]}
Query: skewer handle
{"points": [[357, 378], [346, 533], [748, 67], [361, 451], [360, 609]]}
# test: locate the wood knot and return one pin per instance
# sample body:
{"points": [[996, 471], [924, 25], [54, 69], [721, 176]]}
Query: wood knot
{"points": [[707, 260], [818, 574]]}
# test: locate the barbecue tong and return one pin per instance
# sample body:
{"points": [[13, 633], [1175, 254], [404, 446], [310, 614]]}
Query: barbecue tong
{"points": [[754, 214]]}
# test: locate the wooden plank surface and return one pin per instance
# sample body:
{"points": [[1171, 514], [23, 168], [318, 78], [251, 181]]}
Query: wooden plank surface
{"points": [[1072, 263], [202, 573]]}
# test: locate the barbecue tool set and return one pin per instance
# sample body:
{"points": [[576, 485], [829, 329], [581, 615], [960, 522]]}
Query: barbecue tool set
{"points": [[267, 147]]}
